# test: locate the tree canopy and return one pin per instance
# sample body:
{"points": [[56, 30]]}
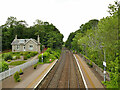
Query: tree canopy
{"points": [[50, 36], [95, 38]]}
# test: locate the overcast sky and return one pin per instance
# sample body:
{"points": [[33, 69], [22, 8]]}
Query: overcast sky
{"points": [[66, 15]]}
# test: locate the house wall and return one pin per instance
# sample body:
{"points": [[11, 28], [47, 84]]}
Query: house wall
{"points": [[14, 48], [27, 46]]}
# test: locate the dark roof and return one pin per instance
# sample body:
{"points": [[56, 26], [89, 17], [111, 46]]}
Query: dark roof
{"points": [[22, 41]]}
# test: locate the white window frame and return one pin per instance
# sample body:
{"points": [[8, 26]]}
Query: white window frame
{"points": [[18, 47], [30, 47], [24, 48]]}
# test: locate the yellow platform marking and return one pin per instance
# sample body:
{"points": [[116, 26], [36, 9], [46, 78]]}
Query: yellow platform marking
{"points": [[93, 86], [29, 86]]}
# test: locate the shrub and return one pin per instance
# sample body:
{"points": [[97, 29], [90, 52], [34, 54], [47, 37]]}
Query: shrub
{"points": [[3, 66], [35, 66], [20, 72], [90, 64], [25, 58], [45, 57], [49, 50], [28, 56], [17, 77], [7, 57], [18, 56], [9, 60], [32, 54], [21, 53], [57, 55], [25, 53], [35, 53], [14, 57], [49, 54], [40, 58]]}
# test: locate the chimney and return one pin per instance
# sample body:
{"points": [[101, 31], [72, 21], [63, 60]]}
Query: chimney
{"points": [[38, 39], [16, 37]]}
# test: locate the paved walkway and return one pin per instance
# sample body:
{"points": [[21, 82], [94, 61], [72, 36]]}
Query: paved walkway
{"points": [[29, 79], [90, 78]]}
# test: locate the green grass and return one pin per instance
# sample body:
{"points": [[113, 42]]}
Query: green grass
{"points": [[15, 63], [40, 63]]}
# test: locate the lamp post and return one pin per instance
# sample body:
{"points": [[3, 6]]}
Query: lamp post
{"points": [[104, 63]]}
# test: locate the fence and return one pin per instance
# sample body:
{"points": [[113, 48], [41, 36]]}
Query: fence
{"points": [[11, 71], [98, 69]]}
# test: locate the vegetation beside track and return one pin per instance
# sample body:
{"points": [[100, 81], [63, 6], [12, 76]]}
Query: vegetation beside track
{"points": [[98, 41], [49, 56]]}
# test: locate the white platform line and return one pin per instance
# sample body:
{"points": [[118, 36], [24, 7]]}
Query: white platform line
{"points": [[45, 75], [81, 73]]}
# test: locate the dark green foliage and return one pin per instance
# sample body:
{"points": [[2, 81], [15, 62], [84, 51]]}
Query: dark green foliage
{"points": [[69, 40], [35, 66], [49, 34], [99, 41], [3, 66], [20, 72], [7, 57], [9, 60], [17, 77], [90, 64], [17, 56], [28, 56], [49, 54], [25, 58]]}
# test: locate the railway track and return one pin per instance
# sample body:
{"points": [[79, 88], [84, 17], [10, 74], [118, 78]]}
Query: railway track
{"points": [[65, 74]]}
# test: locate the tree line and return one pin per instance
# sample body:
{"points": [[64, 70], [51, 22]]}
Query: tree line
{"points": [[99, 40], [50, 36]]}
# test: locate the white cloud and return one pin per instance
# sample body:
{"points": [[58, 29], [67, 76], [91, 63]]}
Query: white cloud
{"points": [[66, 15]]}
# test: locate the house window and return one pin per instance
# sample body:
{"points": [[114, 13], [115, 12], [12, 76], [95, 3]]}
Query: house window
{"points": [[24, 48], [31, 47], [17, 47]]}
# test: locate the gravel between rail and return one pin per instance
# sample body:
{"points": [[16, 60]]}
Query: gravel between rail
{"points": [[65, 74]]}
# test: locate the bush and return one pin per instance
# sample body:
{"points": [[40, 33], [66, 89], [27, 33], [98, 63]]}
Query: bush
{"points": [[7, 57], [25, 53], [32, 54], [20, 72], [28, 56], [14, 57], [18, 56], [9, 60], [90, 64], [49, 54], [45, 57], [35, 53], [40, 58], [25, 58], [35, 66], [3, 66], [17, 77], [49, 50], [21, 53]]}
